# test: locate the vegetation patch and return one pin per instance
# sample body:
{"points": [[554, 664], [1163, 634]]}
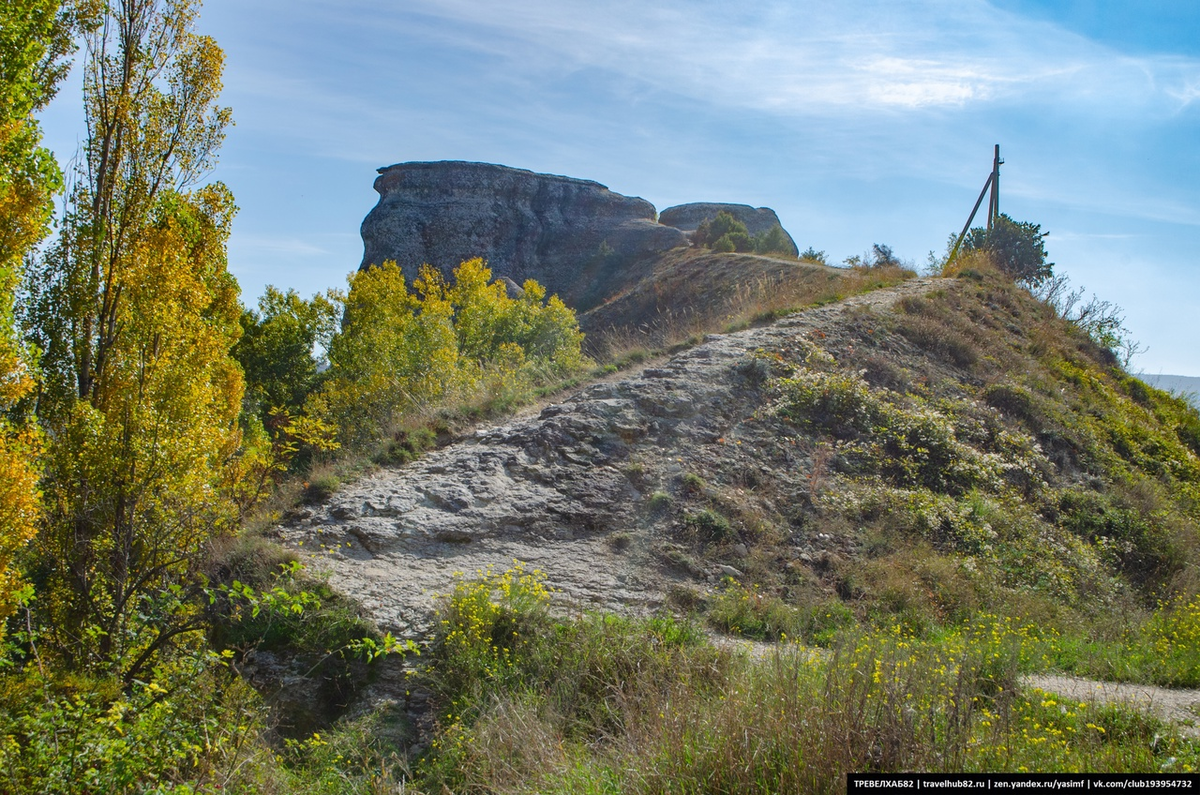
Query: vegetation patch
{"points": [[708, 526], [660, 710], [747, 611]]}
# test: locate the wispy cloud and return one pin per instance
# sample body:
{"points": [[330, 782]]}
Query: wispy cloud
{"points": [[248, 245], [794, 62], [1073, 236], [802, 58], [1185, 90]]}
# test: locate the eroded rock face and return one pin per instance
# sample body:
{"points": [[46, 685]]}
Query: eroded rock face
{"points": [[576, 237], [688, 217]]}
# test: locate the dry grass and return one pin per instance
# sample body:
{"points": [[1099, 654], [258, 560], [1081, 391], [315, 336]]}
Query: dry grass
{"points": [[681, 321]]}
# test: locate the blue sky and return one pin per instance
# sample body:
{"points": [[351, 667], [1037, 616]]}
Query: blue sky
{"points": [[858, 121]]}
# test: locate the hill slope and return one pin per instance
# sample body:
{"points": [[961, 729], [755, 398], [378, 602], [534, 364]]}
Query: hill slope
{"points": [[926, 451]]}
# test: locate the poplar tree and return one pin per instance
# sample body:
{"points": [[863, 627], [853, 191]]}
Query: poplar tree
{"points": [[34, 38], [136, 314]]}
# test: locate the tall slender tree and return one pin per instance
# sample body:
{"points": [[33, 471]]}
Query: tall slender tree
{"points": [[136, 314], [35, 37]]}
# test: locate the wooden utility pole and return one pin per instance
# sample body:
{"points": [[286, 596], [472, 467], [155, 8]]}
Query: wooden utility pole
{"points": [[994, 203], [993, 182]]}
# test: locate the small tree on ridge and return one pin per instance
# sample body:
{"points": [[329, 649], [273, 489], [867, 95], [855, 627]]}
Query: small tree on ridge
{"points": [[1016, 247]]}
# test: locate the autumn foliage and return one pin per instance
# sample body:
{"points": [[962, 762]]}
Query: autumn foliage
{"points": [[34, 37], [135, 313], [402, 351]]}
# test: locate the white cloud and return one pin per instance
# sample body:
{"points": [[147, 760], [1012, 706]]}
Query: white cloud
{"points": [[800, 58], [912, 83], [1186, 92]]}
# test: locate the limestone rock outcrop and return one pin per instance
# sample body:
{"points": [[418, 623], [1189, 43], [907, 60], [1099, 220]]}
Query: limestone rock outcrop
{"points": [[687, 217], [576, 237]]}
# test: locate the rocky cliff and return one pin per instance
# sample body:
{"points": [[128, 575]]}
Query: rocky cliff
{"points": [[574, 236]]}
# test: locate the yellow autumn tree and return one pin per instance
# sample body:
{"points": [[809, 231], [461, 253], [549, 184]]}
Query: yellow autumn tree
{"points": [[396, 351], [489, 322], [136, 314], [34, 38], [401, 351]]}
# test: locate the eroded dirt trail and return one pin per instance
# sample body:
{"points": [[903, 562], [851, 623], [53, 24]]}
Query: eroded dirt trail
{"points": [[1178, 706]]}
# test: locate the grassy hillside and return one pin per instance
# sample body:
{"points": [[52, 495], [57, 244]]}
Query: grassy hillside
{"points": [[918, 502], [979, 492], [686, 292]]}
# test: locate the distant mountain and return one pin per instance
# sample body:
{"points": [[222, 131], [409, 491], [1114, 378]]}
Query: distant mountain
{"points": [[1186, 385]]}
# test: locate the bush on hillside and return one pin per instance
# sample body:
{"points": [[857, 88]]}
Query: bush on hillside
{"points": [[727, 234], [1016, 247], [772, 241], [811, 254], [723, 233]]}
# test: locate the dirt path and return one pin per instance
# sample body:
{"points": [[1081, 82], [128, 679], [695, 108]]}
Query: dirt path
{"points": [[1180, 707]]}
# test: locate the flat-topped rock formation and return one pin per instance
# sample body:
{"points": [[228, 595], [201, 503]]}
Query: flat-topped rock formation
{"points": [[574, 236]]}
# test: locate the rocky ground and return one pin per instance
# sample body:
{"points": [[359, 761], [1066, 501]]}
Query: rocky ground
{"points": [[586, 490]]}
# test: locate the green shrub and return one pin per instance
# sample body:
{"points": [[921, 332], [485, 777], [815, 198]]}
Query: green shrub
{"points": [[709, 526], [659, 501], [320, 488], [405, 446], [724, 245], [723, 233], [483, 621], [734, 241], [747, 611], [1016, 247], [772, 241], [1012, 400], [810, 254], [840, 403], [693, 484], [918, 447], [1135, 542]]}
